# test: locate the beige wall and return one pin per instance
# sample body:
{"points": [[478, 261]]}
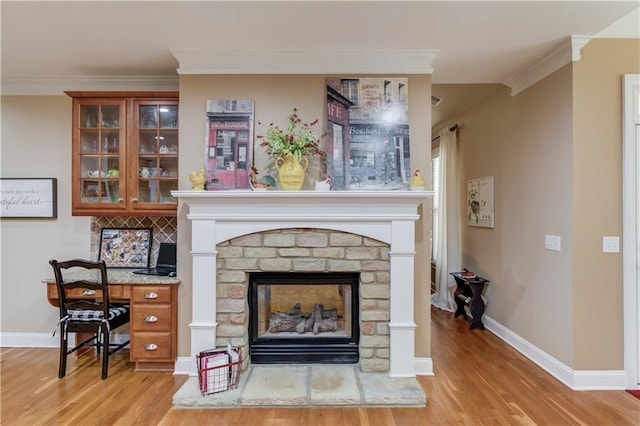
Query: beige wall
{"points": [[36, 142], [524, 141], [597, 173], [275, 96], [555, 152]]}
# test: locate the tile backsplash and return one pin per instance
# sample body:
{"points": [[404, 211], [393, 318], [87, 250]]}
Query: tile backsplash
{"points": [[165, 229]]}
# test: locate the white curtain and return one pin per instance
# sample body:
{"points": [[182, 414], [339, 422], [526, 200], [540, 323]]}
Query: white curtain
{"points": [[447, 250]]}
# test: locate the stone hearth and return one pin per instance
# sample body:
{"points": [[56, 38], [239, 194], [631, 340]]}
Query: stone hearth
{"points": [[307, 386], [385, 216]]}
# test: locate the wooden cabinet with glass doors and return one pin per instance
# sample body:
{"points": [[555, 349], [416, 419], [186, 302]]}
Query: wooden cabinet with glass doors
{"points": [[125, 153]]}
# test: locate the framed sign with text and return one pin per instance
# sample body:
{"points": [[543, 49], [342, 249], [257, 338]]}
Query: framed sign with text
{"points": [[28, 198]]}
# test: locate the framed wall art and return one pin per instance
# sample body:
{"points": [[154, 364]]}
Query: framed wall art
{"points": [[480, 202], [125, 247], [229, 144], [368, 133], [29, 197]]}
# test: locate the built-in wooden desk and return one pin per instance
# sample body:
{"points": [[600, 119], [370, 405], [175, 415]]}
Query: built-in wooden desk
{"points": [[154, 315]]}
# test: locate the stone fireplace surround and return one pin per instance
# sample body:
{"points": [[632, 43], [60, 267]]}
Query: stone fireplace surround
{"points": [[386, 216], [304, 251]]}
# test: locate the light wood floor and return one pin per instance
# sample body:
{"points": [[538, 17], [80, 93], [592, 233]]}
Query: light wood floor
{"points": [[478, 380]]}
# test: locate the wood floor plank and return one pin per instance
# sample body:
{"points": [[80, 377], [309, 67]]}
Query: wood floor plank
{"points": [[478, 380]]}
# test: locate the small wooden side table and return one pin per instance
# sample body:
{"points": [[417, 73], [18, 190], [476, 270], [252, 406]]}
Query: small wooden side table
{"points": [[469, 292]]}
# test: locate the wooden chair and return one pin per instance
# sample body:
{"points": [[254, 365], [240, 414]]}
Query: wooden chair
{"points": [[83, 292]]}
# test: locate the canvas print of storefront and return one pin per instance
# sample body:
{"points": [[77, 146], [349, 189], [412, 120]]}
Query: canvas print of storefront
{"points": [[229, 146], [368, 133]]}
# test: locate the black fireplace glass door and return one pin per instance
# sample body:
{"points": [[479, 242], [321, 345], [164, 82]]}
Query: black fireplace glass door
{"points": [[304, 317]]}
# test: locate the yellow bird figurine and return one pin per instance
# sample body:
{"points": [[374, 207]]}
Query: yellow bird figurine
{"points": [[197, 180], [417, 181]]}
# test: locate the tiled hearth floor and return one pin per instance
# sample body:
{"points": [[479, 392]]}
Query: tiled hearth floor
{"points": [[306, 385]]}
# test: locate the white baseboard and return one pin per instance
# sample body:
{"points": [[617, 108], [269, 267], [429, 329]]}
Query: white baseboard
{"points": [[30, 340], [574, 379], [44, 340], [423, 366], [599, 380], [183, 366]]}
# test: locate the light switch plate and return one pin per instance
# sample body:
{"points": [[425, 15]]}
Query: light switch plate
{"points": [[611, 244], [552, 242]]}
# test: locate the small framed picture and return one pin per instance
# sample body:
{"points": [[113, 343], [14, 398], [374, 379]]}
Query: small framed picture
{"points": [[229, 143], [125, 247], [480, 204]]}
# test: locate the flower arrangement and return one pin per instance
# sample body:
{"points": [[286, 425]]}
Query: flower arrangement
{"points": [[297, 140]]}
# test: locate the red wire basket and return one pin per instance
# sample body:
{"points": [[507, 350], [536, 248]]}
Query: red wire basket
{"points": [[219, 369]]}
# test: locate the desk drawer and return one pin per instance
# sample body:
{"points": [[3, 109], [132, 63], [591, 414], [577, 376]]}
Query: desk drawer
{"points": [[150, 294], [151, 345], [150, 317], [115, 292]]}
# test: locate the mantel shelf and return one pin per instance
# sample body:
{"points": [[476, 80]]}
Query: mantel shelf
{"points": [[302, 194]]}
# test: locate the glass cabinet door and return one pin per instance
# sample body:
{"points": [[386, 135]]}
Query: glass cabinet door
{"points": [[100, 156], [156, 125]]}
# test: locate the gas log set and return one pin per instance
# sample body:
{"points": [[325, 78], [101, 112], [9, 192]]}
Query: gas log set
{"points": [[295, 320]]}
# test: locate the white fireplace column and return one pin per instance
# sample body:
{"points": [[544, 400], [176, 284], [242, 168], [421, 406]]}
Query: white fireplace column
{"points": [[203, 308], [401, 322], [387, 216]]}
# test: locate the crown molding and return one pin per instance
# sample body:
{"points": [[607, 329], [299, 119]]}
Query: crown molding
{"points": [[304, 61], [53, 86], [568, 52]]}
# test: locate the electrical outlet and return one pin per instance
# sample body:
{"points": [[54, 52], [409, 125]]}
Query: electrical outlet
{"points": [[552, 242], [611, 244]]}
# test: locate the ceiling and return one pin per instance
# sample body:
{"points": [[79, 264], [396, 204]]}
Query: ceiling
{"points": [[458, 99], [477, 42]]}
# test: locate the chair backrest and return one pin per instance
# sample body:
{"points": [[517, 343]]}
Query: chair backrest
{"points": [[82, 285]]}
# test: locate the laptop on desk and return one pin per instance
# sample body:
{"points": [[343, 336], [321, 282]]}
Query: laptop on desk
{"points": [[166, 263]]}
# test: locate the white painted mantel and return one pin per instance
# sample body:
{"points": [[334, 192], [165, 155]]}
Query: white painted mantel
{"points": [[388, 216]]}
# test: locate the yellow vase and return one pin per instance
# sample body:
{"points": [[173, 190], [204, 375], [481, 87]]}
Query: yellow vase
{"points": [[291, 171]]}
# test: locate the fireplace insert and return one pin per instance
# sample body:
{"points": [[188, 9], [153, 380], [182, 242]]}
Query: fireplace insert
{"points": [[303, 318]]}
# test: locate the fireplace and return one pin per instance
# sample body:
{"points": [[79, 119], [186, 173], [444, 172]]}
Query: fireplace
{"points": [[389, 217], [275, 288], [303, 318]]}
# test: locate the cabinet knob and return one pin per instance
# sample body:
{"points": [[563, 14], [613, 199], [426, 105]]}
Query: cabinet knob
{"points": [[151, 347], [151, 295], [89, 293], [151, 318], [120, 199], [134, 200]]}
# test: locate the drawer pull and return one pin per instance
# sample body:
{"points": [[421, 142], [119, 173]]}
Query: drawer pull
{"points": [[151, 295], [151, 347], [89, 293], [151, 318]]}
